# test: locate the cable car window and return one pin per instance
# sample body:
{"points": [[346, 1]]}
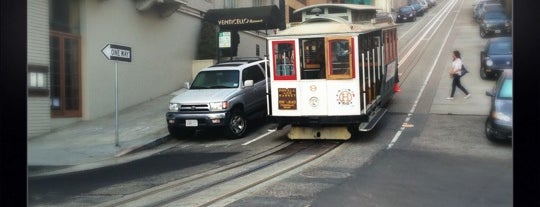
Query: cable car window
{"points": [[284, 60], [339, 56], [312, 58], [332, 10]]}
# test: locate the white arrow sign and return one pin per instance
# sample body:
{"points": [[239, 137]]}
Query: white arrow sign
{"points": [[117, 52]]}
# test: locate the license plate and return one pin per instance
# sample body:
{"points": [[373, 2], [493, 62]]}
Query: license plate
{"points": [[191, 123], [498, 31], [404, 18]]}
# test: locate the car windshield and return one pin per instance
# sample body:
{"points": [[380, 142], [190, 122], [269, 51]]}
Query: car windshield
{"points": [[506, 89], [495, 15], [216, 79], [493, 7], [500, 48], [405, 9]]}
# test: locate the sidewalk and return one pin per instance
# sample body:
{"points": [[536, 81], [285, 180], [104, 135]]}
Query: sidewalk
{"points": [[88, 145], [467, 40]]}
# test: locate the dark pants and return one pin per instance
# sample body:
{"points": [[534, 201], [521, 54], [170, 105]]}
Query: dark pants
{"points": [[457, 83]]}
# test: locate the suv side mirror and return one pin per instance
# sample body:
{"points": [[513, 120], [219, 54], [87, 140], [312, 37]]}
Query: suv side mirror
{"points": [[186, 84], [248, 83]]}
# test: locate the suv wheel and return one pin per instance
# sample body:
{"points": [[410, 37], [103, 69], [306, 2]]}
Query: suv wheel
{"points": [[180, 133], [236, 125]]}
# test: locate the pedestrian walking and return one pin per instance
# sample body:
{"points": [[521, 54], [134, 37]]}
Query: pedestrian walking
{"points": [[455, 74]]}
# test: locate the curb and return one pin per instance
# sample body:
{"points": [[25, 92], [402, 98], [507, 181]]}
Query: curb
{"points": [[146, 146], [52, 171]]}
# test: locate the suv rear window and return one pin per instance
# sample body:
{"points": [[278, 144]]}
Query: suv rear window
{"points": [[253, 73]]}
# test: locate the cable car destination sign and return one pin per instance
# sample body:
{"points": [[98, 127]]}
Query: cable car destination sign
{"points": [[117, 52]]}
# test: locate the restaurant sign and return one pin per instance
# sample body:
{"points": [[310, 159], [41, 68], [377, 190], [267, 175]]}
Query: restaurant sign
{"points": [[249, 18], [226, 22]]}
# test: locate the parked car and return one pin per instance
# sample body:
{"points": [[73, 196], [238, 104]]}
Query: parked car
{"points": [[432, 3], [488, 6], [495, 23], [498, 124], [225, 96], [418, 9], [495, 57], [406, 14], [479, 4], [423, 3]]}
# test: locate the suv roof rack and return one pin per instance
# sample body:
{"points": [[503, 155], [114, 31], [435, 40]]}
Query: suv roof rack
{"points": [[242, 59], [225, 64]]}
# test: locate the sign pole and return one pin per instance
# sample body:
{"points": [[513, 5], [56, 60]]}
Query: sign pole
{"points": [[116, 105], [116, 53]]}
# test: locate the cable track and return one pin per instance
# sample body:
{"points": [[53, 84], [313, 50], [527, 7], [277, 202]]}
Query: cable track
{"points": [[221, 183]]}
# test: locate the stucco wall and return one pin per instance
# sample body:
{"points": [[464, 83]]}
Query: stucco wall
{"points": [[248, 42], [162, 51]]}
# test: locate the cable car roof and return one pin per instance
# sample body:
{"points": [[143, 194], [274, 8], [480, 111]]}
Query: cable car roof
{"points": [[357, 7]]}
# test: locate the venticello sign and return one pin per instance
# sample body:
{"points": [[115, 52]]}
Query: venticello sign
{"points": [[238, 21]]}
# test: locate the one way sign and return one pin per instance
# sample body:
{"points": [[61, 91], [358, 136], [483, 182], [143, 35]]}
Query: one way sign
{"points": [[117, 52]]}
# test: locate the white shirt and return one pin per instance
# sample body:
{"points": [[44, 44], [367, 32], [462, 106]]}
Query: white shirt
{"points": [[456, 66]]}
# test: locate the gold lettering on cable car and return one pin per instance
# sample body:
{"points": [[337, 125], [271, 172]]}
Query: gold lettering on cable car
{"points": [[287, 98]]}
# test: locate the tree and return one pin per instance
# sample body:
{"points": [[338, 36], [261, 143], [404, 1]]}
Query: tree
{"points": [[207, 45]]}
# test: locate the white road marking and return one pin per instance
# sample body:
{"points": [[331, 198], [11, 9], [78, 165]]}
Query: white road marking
{"points": [[260, 137], [409, 115]]}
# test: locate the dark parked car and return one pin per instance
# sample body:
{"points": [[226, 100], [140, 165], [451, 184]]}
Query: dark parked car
{"points": [[499, 121], [406, 14], [479, 7], [496, 56], [495, 23], [418, 9], [488, 6]]}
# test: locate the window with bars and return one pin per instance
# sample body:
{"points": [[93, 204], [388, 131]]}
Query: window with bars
{"points": [[230, 4], [65, 59], [284, 60]]}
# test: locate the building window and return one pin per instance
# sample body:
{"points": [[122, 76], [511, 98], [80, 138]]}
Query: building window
{"points": [[38, 80], [230, 4], [65, 63], [257, 3], [64, 16]]}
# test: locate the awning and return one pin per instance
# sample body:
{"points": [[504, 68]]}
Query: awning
{"points": [[248, 18]]}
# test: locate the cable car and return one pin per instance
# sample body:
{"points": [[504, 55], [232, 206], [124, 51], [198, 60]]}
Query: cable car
{"points": [[334, 73]]}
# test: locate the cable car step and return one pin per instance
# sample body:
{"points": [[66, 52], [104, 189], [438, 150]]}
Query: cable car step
{"points": [[374, 119]]}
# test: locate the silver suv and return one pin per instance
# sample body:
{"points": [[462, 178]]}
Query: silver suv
{"points": [[224, 95]]}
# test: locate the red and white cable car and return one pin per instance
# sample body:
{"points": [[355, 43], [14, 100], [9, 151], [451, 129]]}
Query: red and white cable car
{"points": [[334, 73]]}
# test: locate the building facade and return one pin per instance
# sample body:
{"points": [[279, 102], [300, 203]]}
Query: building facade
{"points": [[70, 79]]}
